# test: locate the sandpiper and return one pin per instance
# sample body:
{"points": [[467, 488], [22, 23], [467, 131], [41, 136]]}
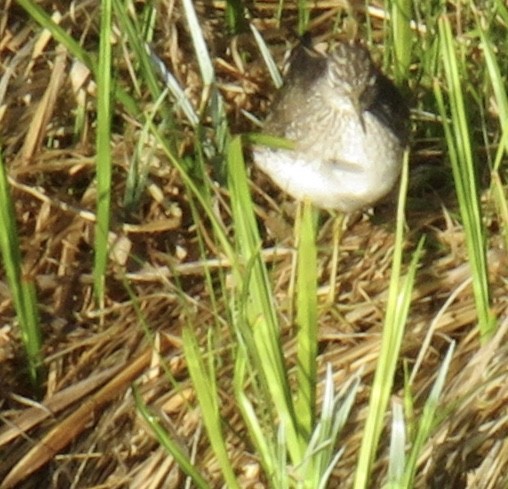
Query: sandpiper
{"points": [[349, 125]]}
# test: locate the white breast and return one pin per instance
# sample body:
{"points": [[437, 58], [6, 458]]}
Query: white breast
{"points": [[347, 167]]}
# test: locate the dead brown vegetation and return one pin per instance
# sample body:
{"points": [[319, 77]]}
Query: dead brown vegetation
{"points": [[85, 432]]}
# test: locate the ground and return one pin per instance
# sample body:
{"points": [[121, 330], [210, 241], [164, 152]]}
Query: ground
{"points": [[167, 271]]}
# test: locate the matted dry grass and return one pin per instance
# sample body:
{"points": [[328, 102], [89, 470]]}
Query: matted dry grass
{"points": [[85, 432]]}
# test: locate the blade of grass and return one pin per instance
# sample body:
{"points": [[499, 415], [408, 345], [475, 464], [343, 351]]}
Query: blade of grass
{"points": [[461, 156], [397, 456], [236, 17], [402, 37], [198, 40], [168, 443], [204, 382], [181, 99], [131, 29], [397, 307], [21, 287], [260, 307], [502, 203], [501, 10], [266, 450], [306, 320], [498, 86], [303, 15], [139, 164], [202, 196], [211, 98], [103, 164], [402, 472], [322, 453], [427, 419], [267, 57]]}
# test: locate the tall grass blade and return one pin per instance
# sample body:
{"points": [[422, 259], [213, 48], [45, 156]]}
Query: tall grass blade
{"points": [[168, 443], [104, 163], [212, 99], [204, 382], [202, 54], [306, 321], [461, 156], [267, 57], [266, 449], [322, 452], [134, 33], [399, 297], [498, 86], [402, 37], [427, 419], [303, 15], [182, 101], [259, 308], [21, 287]]}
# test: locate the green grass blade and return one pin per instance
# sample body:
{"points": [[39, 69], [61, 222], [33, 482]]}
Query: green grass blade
{"points": [[199, 194], [202, 54], [133, 32], [148, 64], [501, 10], [265, 449], [267, 57], [303, 15], [399, 297], [461, 156], [402, 37], [498, 86], [168, 443], [104, 163], [204, 382], [322, 452], [211, 98], [236, 17], [306, 321], [182, 101], [22, 288], [502, 204], [260, 307], [427, 419]]}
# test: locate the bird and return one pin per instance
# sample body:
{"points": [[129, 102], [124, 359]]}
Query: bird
{"points": [[347, 124]]}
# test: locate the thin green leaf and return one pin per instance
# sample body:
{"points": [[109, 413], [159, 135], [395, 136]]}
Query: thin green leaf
{"points": [[260, 309], [397, 308], [104, 163], [427, 419], [22, 288], [181, 458], [267, 57], [206, 392], [306, 321], [202, 54]]}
